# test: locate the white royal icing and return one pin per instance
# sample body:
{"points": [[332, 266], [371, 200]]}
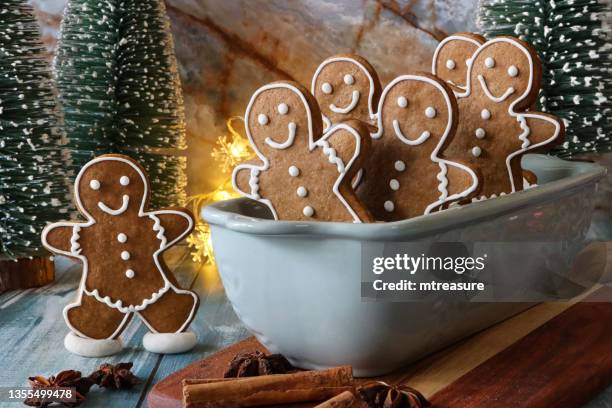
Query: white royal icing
{"points": [[485, 88], [485, 114], [130, 274], [476, 151], [294, 171], [94, 184], [352, 104], [124, 206], [75, 247], [125, 255], [330, 152], [291, 130], [443, 181], [513, 71], [349, 79], [400, 165], [430, 112], [389, 206], [169, 343], [86, 347], [308, 211], [480, 133], [394, 184], [121, 237], [262, 119], [124, 180], [118, 304], [283, 108], [489, 62], [301, 191], [402, 102], [450, 64], [327, 88]]}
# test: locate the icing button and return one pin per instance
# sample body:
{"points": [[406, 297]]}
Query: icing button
{"points": [[129, 274], [480, 133], [485, 114], [389, 206], [326, 88], [125, 255], [402, 102], [430, 112], [308, 211], [476, 151], [94, 184], [294, 171], [283, 108], [124, 180], [489, 62], [450, 64], [121, 237], [301, 191], [349, 79], [400, 165], [394, 184], [513, 70], [262, 119]]}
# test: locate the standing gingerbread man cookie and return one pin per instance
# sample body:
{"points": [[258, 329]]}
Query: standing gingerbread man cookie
{"points": [[495, 126], [120, 244], [300, 174], [406, 174], [346, 87]]}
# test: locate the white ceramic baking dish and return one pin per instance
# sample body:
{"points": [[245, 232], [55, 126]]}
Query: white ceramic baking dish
{"points": [[297, 285]]}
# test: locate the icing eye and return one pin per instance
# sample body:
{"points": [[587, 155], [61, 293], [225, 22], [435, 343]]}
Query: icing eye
{"points": [[489, 62], [349, 79], [450, 64], [283, 108], [513, 71], [94, 184], [402, 102], [430, 112], [327, 88], [262, 119], [124, 180]]}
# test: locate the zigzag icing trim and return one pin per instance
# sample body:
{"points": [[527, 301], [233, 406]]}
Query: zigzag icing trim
{"points": [[131, 308], [160, 231], [331, 153], [442, 187], [254, 183], [75, 247], [526, 131]]}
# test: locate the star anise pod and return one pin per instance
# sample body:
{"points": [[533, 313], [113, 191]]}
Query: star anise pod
{"points": [[257, 363], [117, 376], [65, 379], [382, 395]]}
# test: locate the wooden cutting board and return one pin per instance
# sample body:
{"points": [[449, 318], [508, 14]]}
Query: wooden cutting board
{"points": [[552, 355]]}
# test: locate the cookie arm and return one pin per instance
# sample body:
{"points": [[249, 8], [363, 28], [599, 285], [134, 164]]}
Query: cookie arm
{"points": [[540, 130], [172, 224], [346, 146], [245, 178], [62, 238]]}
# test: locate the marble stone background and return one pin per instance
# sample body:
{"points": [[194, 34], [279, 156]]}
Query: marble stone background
{"points": [[226, 49]]}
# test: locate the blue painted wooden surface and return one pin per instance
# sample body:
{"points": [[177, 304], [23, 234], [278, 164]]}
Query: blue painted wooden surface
{"points": [[32, 332]]}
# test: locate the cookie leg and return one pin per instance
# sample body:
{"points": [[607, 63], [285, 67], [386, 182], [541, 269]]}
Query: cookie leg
{"points": [[95, 320], [168, 319], [172, 312]]}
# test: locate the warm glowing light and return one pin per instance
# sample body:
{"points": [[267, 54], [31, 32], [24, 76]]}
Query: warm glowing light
{"points": [[229, 151]]}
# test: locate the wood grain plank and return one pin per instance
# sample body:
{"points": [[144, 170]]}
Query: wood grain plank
{"points": [[32, 334], [563, 364]]}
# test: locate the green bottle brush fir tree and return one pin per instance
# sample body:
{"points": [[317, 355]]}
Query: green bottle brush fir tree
{"points": [[571, 40], [119, 87], [32, 181]]}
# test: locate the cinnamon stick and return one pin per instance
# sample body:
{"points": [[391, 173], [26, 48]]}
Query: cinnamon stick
{"points": [[345, 400], [268, 389]]}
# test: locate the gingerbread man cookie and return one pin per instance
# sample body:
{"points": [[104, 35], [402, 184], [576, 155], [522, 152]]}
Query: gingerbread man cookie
{"points": [[495, 129], [406, 174], [301, 175], [450, 63], [346, 87], [120, 245], [451, 58]]}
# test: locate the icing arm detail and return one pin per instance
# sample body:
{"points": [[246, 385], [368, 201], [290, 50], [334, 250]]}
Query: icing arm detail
{"points": [[171, 225]]}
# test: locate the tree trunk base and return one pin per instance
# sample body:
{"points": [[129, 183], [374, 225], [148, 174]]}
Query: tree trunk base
{"points": [[26, 273]]}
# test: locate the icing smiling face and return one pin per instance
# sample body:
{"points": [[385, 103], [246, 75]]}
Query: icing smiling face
{"points": [[346, 86], [503, 70], [451, 58], [279, 116], [103, 193]]}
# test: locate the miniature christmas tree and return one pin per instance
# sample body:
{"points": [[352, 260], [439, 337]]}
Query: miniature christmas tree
{"points": [[32, 182], [119, 87], [572, 43]]}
